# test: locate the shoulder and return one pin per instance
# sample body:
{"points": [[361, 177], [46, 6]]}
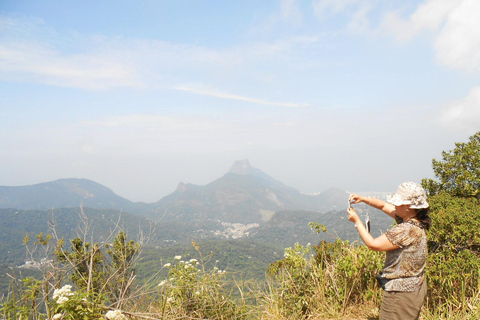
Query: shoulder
{"points": [[405, 234]]}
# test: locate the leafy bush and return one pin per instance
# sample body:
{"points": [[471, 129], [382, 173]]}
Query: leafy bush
{"points": [[193, 292], [335, 278], [458, 171], [453, 267]]}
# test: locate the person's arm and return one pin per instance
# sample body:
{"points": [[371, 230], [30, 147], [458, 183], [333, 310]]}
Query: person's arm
{"points": [[386, 207], [376, 244]]}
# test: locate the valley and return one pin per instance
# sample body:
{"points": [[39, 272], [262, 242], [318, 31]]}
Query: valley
{"points": [[243, 209]]}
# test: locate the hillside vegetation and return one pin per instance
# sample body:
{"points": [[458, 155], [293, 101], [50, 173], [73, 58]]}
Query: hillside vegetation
{"points": [[85, 279]]}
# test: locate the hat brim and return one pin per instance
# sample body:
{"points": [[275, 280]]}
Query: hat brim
{"points": [[398, 200]]}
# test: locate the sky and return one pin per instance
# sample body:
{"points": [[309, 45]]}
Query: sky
{"points": [[142, 95]]}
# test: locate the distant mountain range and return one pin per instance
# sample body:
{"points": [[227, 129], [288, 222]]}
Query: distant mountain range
{"points": [[244, 194], [244, 204], [66, 193]]}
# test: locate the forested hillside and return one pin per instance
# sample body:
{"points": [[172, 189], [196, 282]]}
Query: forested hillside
{"points": [[204, 279]]}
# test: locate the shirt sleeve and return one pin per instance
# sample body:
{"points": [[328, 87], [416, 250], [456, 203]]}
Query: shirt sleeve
{"points": [[403, 234]]}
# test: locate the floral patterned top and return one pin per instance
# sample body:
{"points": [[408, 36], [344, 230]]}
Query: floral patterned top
{"points": [[405, 265]]}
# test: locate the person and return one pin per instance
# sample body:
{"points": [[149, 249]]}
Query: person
{"points": [[403, 275]]}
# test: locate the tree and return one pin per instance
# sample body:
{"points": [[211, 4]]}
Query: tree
{"points": [[458, 171], [123, 254], [87, 263], [453, 265]]}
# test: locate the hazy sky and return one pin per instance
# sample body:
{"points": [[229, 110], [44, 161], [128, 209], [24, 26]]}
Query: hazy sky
{"points": [[140, 95]]}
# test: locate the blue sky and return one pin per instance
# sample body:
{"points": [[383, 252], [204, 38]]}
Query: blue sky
{"points": [[141, 95]]}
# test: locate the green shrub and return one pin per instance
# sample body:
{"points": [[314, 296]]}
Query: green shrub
{"points": [[339, 276], [453, 266]]}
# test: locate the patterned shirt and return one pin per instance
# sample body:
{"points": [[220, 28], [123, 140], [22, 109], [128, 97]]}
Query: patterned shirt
{"points": [[405, 265]]}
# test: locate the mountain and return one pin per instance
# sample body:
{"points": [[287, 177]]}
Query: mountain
{"points": [[243, 195], [66, 193]]}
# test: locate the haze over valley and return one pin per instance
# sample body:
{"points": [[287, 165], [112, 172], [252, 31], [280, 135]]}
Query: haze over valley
{"points": [[244, 204]]}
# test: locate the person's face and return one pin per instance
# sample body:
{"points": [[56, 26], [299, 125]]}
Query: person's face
{"points": [[402, 210]]}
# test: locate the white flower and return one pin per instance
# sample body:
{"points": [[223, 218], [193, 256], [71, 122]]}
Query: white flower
{"points": [[62, 300], [58, 316], [167, 265], [197, 293], [115, 315], [65, 291], [169, 300], [162, 283], [193, 260], [178, 257]]}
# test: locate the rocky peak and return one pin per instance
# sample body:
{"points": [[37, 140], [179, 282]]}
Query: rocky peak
{"points": [[182, 187], [241, 167]]}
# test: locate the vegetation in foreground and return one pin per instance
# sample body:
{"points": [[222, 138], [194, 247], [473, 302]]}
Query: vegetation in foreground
{"points": [[327, 281]]}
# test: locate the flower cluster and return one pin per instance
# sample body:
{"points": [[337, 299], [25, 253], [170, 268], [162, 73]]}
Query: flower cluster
{"points": [[161, 284], [58, 316], [115, 315], [215, 269], [62, 294], [191, 264]]}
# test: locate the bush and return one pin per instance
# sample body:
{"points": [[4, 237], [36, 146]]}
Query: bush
{"points": [[338, 278], [453, 266]]}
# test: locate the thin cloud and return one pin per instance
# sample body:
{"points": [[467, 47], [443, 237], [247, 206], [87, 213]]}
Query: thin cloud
{"points": [[323, 8], [30, 63], [455, 26], [291, 12], [223, 95], [151, 122], [30, 51], [465, 114]]}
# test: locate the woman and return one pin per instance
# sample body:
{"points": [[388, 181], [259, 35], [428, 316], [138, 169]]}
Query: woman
{"points": [[403, 276]]}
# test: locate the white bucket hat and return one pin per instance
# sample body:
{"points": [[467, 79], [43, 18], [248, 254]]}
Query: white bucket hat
{"points": [[409, 193]]}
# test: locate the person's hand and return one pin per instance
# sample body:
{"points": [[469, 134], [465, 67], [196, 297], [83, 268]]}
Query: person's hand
{"points": [[355, 198], [352, 215]]}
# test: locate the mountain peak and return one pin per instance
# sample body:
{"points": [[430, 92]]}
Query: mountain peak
{"points": [[182, 187], [241, 167]]}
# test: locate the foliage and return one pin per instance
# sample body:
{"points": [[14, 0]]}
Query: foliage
{"points": [[98, 279], [122, 254], [453, 266], [246, 259], [87, 262], [335, 278], [456, 222], [65, 221], [76, 305], [458, 171], [190, 290]]}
